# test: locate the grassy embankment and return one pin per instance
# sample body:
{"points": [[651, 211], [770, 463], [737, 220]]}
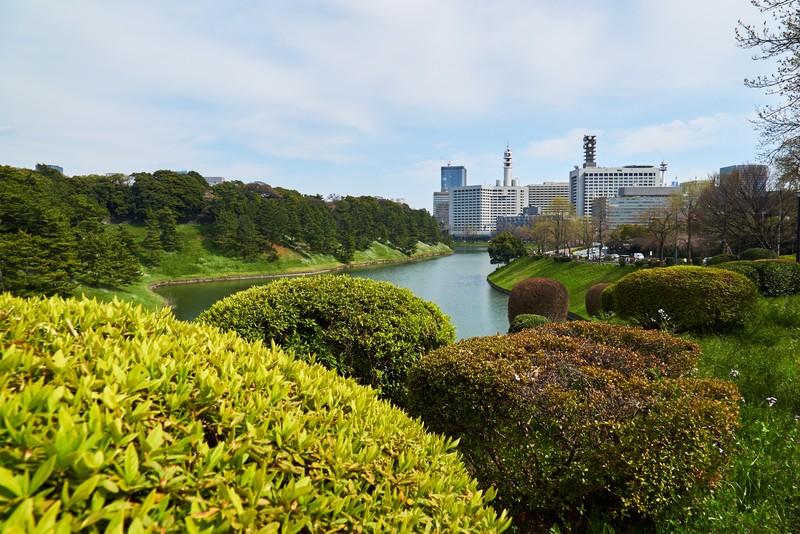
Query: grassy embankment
{"points": [[578, 277], [198, 260]]}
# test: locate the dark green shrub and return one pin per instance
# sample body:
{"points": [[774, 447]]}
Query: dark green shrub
{"points": [[113, 419], [368, 330], [566, 427], [539, 296], [622, 261], [721, 258], [527, 320], [742, 267], [686, 299], [669, 261], [777, 277], [593, 299], [607, 304], [758, 254]]}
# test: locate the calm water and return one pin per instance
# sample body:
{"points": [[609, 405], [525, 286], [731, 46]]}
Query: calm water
{"points": [[456, 283]]}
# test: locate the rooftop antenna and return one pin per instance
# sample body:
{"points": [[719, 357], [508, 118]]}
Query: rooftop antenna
{"points": [[663, 169]]}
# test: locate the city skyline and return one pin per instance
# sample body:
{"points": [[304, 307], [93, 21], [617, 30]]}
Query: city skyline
{"points": [[361, 98]]}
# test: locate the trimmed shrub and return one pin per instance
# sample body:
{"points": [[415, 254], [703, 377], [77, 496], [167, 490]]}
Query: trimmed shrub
{"points": [[593, 302], [660, 354], [607, 299], [721, 258], [368, 330], [118, 420], [742, 267], [686, 299], [777, 277], [527, 320], [568, 427], [758, 254], [539, 296]]}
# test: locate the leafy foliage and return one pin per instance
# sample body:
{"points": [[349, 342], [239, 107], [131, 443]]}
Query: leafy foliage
{"points": [[505, 248], [686, 298], [117, 420], [539, 296], [371, 331], [585, 420], [527, 320], [758, 254]]}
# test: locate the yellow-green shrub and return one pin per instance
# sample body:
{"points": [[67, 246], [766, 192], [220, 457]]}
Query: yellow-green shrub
{"points": [[539, 296], [368, 330], [686, 299], [527, 320], [567, 427], [117, 420]]}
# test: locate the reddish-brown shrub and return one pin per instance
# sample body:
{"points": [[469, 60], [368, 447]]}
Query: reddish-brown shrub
{"points": [[593, 299], [539, 296], [566, 427]]}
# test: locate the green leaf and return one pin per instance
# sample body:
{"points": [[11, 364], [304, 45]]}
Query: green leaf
{"points": [[131, 466], [10, 482], [83, 491], [42, 474], [155, 438]]}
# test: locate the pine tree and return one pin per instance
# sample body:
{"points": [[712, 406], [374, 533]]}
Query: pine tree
{"points": [[152, 240], [168, 225]]}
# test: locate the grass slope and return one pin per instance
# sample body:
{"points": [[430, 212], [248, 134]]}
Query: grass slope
{"points": [[577, 276], [199, 259]]}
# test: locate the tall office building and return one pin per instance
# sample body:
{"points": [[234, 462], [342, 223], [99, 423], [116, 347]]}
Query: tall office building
{"points": [[541, 195], [453, 176], [634, 205], [474, 209], [590, 181]]}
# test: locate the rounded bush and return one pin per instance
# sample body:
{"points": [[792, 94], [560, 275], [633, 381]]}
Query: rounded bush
{"points": [[527, 320], [607, 299], [742, 267], [569, 423], [686, 298], [539, 296], [368, 330], [721, 258], [593, 299], [777, 277], [118, 420], [758, 254]]}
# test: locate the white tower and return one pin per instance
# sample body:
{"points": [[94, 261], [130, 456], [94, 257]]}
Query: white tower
{"points": [[507, 167]]}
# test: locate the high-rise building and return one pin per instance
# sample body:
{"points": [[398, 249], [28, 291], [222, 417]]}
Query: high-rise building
{"points": [[441, 207], [453, 176], [590, 181], [474, 209], [541, 195], [631, 205]]}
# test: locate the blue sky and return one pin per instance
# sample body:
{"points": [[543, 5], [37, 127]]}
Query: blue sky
{"points": [[372, 97]]}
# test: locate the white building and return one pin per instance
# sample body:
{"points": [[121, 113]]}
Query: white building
{"points": [[633, 204], [590, 181], [541, 195], [473, 209]]}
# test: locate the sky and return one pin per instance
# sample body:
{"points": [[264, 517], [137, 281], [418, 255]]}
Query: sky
{"points": [[373, 97]]}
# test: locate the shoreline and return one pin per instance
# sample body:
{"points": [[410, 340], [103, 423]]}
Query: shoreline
{"points": [[185, 281]]}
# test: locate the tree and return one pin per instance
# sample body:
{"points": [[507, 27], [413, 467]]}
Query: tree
{"points": [[560, 213], [505, 248], [743, 209], [152, 240], [601, 223], [661, 224], [168, 226], [779, 123]]}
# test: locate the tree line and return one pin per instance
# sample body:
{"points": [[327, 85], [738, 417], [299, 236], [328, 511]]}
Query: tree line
{"points": [[57, 232]]}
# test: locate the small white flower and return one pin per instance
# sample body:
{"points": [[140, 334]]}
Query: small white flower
{"points": [[734, 373], [771, 401], [516, 376]]}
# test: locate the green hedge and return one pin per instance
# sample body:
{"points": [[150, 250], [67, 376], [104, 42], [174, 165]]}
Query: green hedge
{"points": [[686, 299], [774, 278], [758, 254], [569, 424], [368, 330], [117, 420], [527, 320]]}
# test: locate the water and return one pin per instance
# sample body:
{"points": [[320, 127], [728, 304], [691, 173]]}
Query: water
{"points": [[456, 283]]}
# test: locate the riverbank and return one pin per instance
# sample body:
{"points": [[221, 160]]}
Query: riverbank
{"points": [[196, 262], [577, 276]]}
